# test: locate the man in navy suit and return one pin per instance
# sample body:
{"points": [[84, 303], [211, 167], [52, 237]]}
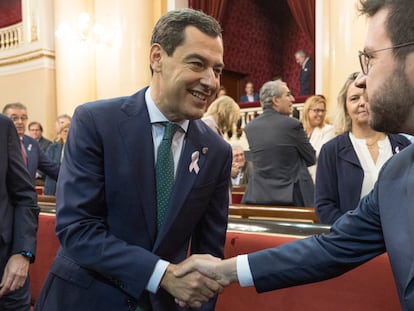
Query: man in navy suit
{"points": [[112, 255], [305, 77], [250, 95], [384, 219], [18, 222], [35, 158]]}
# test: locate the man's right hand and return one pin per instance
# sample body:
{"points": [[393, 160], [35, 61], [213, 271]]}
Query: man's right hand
{"points": [[190, 288]]}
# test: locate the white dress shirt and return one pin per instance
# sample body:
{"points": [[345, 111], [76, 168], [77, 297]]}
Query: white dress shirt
{"points": [[157, 118]]}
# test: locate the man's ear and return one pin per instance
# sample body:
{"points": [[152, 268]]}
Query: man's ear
{"points": [[156, 54], [275, 101]]}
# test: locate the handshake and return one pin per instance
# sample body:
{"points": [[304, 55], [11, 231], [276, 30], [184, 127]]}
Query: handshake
{"points": [[198, 279]]}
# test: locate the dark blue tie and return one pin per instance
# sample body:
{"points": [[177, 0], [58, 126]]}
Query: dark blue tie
{"points": [[164, 170]]}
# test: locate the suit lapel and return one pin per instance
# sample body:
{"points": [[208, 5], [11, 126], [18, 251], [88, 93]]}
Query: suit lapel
{"points": [[346, 150], [136, 132]]}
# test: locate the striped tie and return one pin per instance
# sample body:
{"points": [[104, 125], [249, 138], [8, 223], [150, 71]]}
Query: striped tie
{"points": [[23, 151]]}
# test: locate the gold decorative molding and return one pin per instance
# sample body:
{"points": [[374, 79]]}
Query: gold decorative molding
{"points": [[26, 57]]}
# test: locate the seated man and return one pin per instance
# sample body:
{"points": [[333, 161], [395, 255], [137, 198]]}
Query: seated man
{"points": [[240, 168], [250, 95]]}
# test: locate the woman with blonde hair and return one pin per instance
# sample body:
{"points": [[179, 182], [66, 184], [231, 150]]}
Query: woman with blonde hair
{"points": [[349, 164], [222, 114], [315, 125]]}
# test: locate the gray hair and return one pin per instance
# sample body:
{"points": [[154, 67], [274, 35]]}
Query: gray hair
{"points": [[301, 53], [269, 90], [14, 106]]}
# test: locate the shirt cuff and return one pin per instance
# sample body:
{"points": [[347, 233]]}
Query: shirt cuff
{"points": [[155, 279], [244, 273]]}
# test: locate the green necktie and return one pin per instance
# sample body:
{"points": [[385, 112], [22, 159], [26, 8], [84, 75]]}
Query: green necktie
{"points": [[164, 170]]}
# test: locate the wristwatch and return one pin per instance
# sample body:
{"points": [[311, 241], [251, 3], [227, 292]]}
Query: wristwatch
{"points": [[28, 254]]}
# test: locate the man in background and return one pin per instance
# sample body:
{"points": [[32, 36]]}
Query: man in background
{"points": [[34, 158], [280, 152], [18, 222], [241, 169], [36, 132], [250, 95], [305, 77]]}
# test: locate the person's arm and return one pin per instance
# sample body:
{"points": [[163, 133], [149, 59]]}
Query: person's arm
{"points": [[303, 145], [22, 196], [46, 165], [354, 239]]}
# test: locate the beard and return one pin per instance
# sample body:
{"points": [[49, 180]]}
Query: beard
{"points": [[390, 106]]}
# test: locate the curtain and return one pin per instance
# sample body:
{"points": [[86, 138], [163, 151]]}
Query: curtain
{"points": [[304, 13], [214, 8]]}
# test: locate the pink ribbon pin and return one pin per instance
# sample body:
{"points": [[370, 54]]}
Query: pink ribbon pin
{"points": [[194, 162]]}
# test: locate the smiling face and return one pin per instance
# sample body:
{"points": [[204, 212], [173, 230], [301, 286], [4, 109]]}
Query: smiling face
{"points": [[284, 103], [389, 82], [317, 114], [186, 82]]}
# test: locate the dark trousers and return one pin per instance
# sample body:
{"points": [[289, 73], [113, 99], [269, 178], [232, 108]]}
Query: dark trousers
{"points": [[18, 300]]}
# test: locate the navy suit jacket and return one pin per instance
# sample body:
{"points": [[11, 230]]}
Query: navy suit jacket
{"points": [[18, 201], [245, 99], [54, 154], [383, 221], [340, 175], [106, 208], [305, 79], [37, 160]]}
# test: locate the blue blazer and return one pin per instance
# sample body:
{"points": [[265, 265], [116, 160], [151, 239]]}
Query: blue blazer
{"points": [[106, 208], [245, 99], [383, 221], [54, 153], [18, 200], [339, 176], [37, 160]]}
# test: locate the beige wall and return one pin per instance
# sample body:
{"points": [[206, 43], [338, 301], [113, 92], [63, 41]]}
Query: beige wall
{"points": [[36, 90], [340, 33]]}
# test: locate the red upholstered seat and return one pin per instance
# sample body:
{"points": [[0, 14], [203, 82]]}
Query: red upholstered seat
{"points": [[47, 246], [369, 287]]}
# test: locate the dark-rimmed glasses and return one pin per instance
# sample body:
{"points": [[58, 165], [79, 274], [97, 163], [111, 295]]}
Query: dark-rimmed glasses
{"points": [[365, 57]]}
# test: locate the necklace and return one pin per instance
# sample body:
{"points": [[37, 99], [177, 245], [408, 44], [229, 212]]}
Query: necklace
{"points": [[373, 143]]}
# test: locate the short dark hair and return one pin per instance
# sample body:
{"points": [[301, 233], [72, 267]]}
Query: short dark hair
{"points": [[169, 30], [399, 24], [35, 123]]}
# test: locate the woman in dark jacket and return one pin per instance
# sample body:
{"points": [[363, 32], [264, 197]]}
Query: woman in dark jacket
{"points": [[349, 164]]}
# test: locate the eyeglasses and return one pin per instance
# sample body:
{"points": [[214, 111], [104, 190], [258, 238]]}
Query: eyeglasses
{"points": [[16, 118], [318, 110], [364, 57]]}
